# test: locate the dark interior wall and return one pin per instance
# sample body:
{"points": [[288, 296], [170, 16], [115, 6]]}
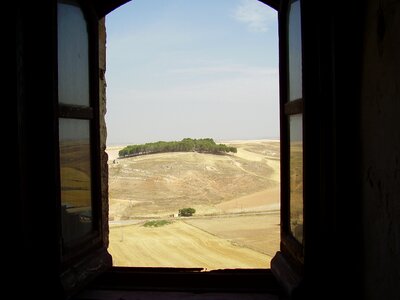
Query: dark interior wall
{"points": [[34, 227], [359, 213], [380, 133]]}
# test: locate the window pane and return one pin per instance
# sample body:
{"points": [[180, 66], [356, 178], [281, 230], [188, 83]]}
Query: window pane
{"points": [[75, 174], [296, 176], [295, 53], [73, 56]]}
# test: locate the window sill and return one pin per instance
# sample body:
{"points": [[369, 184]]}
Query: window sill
{"points": [[150, 295], [181, 280], [289, 278]]}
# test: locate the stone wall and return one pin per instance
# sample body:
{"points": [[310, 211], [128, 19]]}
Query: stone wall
{"points": [[103, 128]]}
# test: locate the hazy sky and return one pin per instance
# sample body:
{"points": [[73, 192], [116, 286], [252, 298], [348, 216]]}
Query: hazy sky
{"points": [[185, 68]]}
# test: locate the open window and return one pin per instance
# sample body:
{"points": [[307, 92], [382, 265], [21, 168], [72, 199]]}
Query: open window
{"points": [[345, 178], [83, 238], [221, 85]]}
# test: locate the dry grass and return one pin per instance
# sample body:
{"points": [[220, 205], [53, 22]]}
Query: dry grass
{"points": [[179, 245], [161, 184], [258, 232], [236, 198], [266, 200]]}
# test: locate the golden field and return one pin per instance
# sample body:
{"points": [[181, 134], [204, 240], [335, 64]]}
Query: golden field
{"points": [[236, 197]]}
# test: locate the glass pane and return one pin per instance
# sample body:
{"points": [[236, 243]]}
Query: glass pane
{"points": [[75, 174], [73, 56], [295, 53], [296, 176]]}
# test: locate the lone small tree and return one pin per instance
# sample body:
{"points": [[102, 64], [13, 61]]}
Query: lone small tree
{"points": [[186, 212]]}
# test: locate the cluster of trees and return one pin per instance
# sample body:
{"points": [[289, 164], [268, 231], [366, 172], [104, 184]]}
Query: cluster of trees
{"points": [[186, 212], [186, 145]]}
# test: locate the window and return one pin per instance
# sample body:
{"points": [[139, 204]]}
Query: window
{"points": [[78, 139], [293, 109], [335, 74], [76, 127], [288, 263], [78, 119], [223, 85]]}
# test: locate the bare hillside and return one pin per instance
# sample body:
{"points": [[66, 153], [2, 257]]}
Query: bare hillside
{"points": [[236, 197], [159, 185]]}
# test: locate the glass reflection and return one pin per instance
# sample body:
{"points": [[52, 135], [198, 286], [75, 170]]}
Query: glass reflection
{"points": [[75, 174], [295, 52], [73, 56], [296, 176]]}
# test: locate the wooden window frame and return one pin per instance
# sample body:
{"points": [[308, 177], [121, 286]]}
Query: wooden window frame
{"points": [[88, 252], [289, 258], [90, 113], [288, 263], [288, 108]]}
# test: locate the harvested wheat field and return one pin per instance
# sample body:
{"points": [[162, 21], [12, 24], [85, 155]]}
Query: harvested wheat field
{"points": [[265, 200], [236, 197], [260, 232], [179, 245]]}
